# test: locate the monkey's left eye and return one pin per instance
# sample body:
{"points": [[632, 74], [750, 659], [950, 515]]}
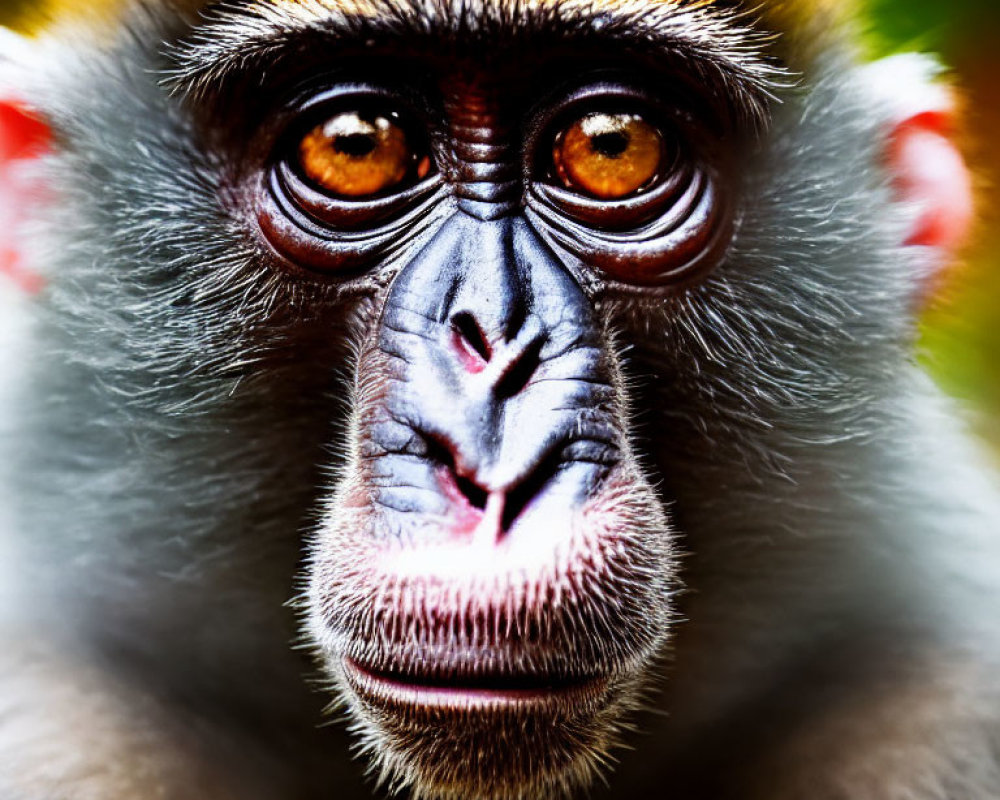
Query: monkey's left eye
{"points": [[609, 156], [631, 184], [358, 154]]}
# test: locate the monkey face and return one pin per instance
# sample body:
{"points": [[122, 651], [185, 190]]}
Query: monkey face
{"points": [[494, 570], [487, 600], [493, 575]]}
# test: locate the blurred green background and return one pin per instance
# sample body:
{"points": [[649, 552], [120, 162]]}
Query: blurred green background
{"points": [[961, 336]]}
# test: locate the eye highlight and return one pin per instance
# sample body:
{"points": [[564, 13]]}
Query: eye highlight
{"points": [[608, 155], [357, 154]]}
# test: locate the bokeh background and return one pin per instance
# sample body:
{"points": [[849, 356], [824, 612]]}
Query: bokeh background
{"points": [[960, 343], [961, 330]]}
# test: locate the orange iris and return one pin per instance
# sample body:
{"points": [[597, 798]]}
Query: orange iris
{"points": [[609, 156], [354, 154]]}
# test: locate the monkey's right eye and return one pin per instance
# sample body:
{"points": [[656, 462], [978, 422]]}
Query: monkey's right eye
{"points": [[349, 178], [357, 154]]}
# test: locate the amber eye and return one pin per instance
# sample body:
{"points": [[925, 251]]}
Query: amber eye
{"points": [[610, 156], [355, 154]]}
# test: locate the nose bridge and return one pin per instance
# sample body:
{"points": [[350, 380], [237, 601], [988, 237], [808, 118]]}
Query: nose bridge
{"points": [[497, 274], [492, 287], [486, 165], [498, 389]]}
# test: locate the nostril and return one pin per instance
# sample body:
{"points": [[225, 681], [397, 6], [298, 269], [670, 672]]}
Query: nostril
{"points": [[441, 453], [473, 500], [475, 494], [519, 371], [530, 487], [470, 342]]}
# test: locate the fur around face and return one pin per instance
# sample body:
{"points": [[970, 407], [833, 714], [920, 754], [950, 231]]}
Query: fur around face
{"points": [[179, 419]]}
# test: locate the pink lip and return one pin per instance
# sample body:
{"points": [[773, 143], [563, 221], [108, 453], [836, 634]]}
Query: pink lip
{"points": [[379, 687]]}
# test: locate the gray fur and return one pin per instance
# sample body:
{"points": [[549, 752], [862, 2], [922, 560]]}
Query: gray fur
{"points": [[182, 407]]}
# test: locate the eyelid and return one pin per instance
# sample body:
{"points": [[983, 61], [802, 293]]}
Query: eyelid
{"points": [[309, 100], [614, 215], [318, 232], [657, 240], [342, 213], [598, 95], [310, 108]]}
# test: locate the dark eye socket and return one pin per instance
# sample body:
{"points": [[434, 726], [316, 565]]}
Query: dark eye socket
{"points": [[609, 155], [360, 154]]}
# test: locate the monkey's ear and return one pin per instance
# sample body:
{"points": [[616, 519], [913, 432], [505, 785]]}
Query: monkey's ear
{"points": [[24, 138], [930, 174]]}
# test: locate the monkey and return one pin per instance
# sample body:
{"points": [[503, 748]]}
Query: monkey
{"points": [[527, 388]]}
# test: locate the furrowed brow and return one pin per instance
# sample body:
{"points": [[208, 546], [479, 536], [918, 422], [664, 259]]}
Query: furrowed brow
{"points": [[713, 42]]}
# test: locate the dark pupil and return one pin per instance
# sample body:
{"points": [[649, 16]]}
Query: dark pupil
{"points": [[610, 145], [355, 144]]}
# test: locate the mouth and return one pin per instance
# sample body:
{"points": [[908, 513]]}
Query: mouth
{"points": [[525, 692], [501, 734]]}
